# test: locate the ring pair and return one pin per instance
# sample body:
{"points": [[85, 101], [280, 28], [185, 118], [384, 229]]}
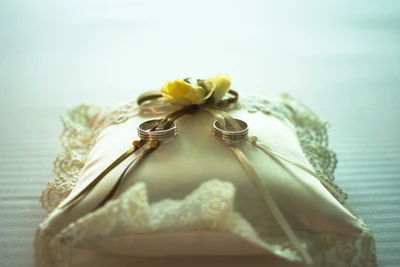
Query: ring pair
{"points": [[230, 134]]}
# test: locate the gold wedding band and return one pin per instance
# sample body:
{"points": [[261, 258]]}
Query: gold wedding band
{"points": [[145, 131], [230, 135]]}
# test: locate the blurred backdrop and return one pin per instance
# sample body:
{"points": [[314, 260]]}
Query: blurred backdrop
{"points": [[341, 58]]}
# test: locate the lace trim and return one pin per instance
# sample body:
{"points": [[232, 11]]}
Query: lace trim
{"points": [[82, 126], [75, 139], [208, 208]]}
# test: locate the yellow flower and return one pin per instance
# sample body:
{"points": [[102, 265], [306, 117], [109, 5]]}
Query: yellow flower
{"points": [[182, 92], [222, 84]]}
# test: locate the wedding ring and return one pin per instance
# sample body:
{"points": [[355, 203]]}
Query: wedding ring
{"points": [[230, 135], [145, 131]]}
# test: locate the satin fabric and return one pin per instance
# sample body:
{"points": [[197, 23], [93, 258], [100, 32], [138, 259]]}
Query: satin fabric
{"points": [[194, 156]]}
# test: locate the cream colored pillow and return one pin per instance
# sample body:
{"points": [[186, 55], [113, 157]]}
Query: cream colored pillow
{"points": [[192, 200]]}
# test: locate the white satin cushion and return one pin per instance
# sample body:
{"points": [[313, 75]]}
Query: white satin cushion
{"points": [[193, 197]]}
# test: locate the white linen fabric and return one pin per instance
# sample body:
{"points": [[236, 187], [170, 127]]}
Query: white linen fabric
{"points": [[193, 198]]}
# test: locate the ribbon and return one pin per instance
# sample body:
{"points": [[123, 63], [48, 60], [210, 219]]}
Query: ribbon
{"points": [[165, 122], [270, 152], [264, 191], [93, 183], [269, 199], [223, 117], [116, 185], [276, 212]]}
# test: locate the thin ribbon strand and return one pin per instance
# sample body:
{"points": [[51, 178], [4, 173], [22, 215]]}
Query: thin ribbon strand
{"points": [[166, 121], [116, 185], [101, 176], [287, 229], [222, 117], [218, 117], [156, 107], [269, 151]]}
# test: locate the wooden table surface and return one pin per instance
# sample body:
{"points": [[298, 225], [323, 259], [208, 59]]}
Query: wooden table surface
{"points": [[341, 58]]}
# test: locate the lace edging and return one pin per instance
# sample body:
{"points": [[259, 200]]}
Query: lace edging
{"points": [[75, 138], [310, 130], [207, 208], [82, 126]]}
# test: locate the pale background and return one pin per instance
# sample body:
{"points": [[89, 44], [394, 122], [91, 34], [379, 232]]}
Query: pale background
{"points": [[342, 58]]}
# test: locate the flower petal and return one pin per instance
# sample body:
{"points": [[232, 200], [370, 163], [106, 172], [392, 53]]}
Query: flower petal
{"points": [[222, 84], [181, 92]]}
